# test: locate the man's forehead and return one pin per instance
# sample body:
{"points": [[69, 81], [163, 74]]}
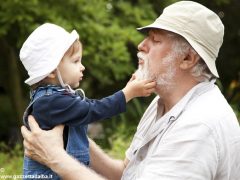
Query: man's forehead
{"points": [[155, 31]]}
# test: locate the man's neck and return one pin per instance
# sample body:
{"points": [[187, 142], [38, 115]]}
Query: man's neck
{"points": [[171, 95]]}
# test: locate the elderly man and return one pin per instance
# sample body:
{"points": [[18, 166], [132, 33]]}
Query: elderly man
{"points": [[189, 131]]}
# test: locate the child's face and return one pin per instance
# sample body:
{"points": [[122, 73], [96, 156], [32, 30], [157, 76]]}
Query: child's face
{"points": [[71, 67]]}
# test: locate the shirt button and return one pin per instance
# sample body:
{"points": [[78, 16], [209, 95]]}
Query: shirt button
{"points": [[172, 118], [135, 152]]}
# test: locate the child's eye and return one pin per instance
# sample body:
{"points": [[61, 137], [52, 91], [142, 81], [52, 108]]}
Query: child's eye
{"points": [[77, 60]]}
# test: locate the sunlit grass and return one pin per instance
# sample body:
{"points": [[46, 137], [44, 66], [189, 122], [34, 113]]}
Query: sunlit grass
{"points": [[10, 161]]}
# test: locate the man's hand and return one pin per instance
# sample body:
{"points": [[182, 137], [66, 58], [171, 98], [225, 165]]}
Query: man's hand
{"points": [[41, 145]]}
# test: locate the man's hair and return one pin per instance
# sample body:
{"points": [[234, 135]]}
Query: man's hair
{"points": [[180, 47]]}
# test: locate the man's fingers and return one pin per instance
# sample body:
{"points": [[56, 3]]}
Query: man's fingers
{"points": [[26, 152], [58, 129], [25, 132], [33, 124], [26, 144]]}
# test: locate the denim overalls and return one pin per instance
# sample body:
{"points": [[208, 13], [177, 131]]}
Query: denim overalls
{"points": [[77, 143]]}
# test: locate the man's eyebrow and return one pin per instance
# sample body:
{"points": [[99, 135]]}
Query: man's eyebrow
{"points": [[153, 32]]}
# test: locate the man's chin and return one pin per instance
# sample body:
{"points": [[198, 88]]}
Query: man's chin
{"points": [[139, 75]]}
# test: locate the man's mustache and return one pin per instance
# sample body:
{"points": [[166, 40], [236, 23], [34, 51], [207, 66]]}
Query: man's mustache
{"points": [[141, 56]]}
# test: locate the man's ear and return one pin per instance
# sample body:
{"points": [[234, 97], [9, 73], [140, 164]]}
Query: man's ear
{"points": [[190, 59]]}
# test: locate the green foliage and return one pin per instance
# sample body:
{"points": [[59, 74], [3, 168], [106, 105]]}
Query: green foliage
{"points": [[5, 105], [119, 130], [11, 160], [119, 142], [107, 30], [109, 42], [105, 36]]}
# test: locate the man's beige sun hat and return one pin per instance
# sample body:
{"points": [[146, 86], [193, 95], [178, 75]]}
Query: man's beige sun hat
{"points": [[200, 26], [43, 50]]}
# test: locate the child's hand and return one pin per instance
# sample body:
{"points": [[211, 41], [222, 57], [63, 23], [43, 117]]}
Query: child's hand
{"points": [[138, 88]]}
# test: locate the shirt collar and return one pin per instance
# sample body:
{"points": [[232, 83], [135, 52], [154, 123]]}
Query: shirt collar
{"points": [[190, 96]]}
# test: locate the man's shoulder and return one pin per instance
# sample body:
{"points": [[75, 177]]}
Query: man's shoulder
{"points": [[210, 109], [210, 103]]}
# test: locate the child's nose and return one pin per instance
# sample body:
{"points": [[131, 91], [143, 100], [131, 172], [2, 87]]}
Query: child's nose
{"points": [[82, 67]]}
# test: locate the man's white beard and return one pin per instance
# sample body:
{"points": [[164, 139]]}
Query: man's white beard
{"points": [[142, 72], [164, 79]]}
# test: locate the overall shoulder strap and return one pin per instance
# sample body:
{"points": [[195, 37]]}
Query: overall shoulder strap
{"points": [[34, 96]]}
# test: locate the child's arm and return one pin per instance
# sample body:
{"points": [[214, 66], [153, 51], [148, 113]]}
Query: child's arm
{"points": [[64, 109], [137, 88]]}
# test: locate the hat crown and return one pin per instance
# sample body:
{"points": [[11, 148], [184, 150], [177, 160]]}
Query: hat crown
{"points": [[43, 50], [199, 22], [200, 26]]}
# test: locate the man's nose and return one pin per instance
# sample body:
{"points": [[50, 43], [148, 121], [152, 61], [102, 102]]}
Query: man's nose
{"points": [[143, 46]]}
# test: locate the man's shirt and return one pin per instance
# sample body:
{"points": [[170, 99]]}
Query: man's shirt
{"points": [[199, 139]]}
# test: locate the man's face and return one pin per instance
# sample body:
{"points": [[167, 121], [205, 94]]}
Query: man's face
{"points": [[156, 58]]}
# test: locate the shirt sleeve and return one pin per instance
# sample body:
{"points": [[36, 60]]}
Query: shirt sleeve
{"points": [[65, 109], [187, 152]]}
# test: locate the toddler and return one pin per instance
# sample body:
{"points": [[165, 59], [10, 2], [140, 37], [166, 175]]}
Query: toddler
{"points": [[52, 57]]}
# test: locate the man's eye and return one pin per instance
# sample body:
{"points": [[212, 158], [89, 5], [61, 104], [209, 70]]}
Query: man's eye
{"points": [[156, 40]]}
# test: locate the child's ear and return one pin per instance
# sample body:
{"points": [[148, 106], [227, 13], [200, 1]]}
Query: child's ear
{"points": [[52, 75], [190, 59]]}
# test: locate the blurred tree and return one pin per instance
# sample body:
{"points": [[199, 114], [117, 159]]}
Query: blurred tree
{"points": [[106, 39], [107, 31]]}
